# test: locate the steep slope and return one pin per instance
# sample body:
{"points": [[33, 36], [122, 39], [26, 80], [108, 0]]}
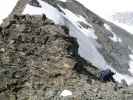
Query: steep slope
{"points": [[101, 42]]}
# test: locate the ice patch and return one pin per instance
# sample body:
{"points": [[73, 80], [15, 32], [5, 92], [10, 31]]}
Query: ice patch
{"points": [[66, 93], [6, 7]]}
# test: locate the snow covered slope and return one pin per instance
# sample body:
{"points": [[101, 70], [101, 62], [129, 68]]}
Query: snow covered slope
{"points": [[112, 11], [6, 6], [101, 40]]}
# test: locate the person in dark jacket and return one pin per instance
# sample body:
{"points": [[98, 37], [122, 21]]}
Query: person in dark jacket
{"points": [[106, 75]]}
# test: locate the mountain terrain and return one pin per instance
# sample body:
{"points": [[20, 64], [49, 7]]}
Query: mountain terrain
{"points": [[50, 46]]}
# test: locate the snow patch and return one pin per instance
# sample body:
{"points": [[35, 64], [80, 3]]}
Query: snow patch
{"points": [[131, 64], [119, 77], [75, 19], [131, 67], [107, 27], [131, 56], [82, 19], [115, 38], [66, 93], [51, 12], [63, 0]]}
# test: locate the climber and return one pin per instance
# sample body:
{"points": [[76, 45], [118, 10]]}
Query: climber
{"points": [[106, 75]]}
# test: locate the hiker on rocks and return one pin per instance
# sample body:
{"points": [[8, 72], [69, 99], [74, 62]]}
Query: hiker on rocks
{"points": [[106, 75]]}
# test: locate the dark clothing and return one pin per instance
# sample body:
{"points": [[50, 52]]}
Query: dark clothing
{"points": [[106, 75]]}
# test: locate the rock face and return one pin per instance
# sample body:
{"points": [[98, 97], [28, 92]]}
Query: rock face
{"points": [[32, 56], [38, 60]]}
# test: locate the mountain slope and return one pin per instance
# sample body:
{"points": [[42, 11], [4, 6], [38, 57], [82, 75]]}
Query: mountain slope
{"points": [[101, 42], [39, 60]]}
